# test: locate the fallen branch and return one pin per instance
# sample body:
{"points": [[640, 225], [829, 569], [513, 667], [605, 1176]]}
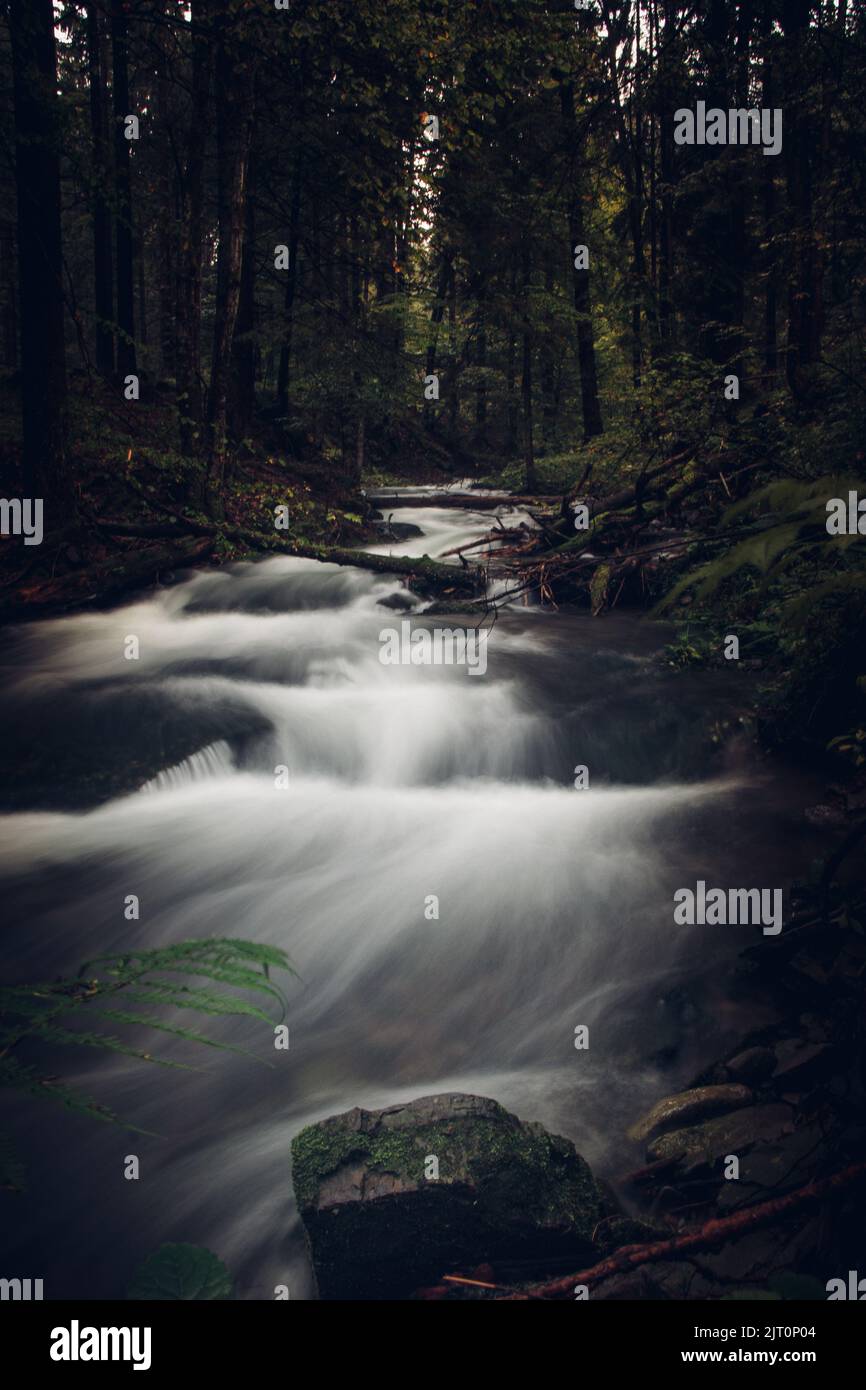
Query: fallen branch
{"points": [[495, 535], [714, 1232]]}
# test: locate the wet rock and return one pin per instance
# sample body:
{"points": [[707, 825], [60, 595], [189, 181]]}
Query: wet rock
{"points": [[773, 1167], [379, 1224], [801, 1063], [657, 1282], [733, 1133], [675, 1111], [753, 1066], [397, 530], [401, 602]]}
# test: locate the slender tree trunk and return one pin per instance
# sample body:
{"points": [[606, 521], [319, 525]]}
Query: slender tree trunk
{"points": [[802, 320], [436, 315], [103, 262], [168, 223], [666, 156], [529, 478], [234, 130], [242, 389], [10, 296], [548, 363], [141, 273], [453, 383], [592, 422], [481, 354], [769, 191], [511, 369], [126, 362], [40, 258], [190, 404], [291, 289]]}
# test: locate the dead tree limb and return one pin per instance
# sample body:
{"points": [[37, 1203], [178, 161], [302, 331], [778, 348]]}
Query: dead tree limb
{"points": [[713, 1233]]}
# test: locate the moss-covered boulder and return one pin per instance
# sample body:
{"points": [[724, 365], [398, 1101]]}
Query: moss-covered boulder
{"points": [[392, 1199]]}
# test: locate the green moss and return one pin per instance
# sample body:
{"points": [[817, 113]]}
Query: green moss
{"points": [[514, 1167]]}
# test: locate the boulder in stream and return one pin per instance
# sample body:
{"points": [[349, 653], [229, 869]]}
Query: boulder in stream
{"points": [[380, 1224]]}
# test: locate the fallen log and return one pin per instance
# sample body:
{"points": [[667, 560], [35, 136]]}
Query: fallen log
{"points": [[96, 583], [433, 574], [137, 568], [471, 503]]}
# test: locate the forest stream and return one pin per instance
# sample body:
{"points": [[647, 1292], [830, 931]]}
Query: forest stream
{"points": [[404, 783]]}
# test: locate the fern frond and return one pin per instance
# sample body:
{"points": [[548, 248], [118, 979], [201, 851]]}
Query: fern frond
{"points": [[149, 1021], [34, 1012], [27, 1079]]}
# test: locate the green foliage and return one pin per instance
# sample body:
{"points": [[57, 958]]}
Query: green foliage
{"points": [[187, 1273], [788, 516], [51, 1013], [685, 651]]}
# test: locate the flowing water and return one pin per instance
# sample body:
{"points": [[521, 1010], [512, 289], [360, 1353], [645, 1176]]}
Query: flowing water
{"points": [[555, 904]]}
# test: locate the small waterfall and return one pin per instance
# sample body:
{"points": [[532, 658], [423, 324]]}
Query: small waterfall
{"points": [[214, 761]]}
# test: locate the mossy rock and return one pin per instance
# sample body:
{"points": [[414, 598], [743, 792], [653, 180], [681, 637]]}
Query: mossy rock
{"points": [[379, 1225], [709, 1143]]}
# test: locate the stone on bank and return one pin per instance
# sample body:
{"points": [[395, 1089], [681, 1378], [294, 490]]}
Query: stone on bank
{"points": [[379, 1225]]}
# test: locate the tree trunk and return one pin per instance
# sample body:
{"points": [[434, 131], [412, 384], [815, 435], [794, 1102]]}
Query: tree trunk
{"points": [[234, 130], [103, 263], [123, 193], [40, 259], [291, 288], [548, 361], [666, 154], [190, 404], [436, 316], [769, 180], [481, 356], [10, 296], [242, 390], [592, 422], [526, 382], [803, 342]]}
